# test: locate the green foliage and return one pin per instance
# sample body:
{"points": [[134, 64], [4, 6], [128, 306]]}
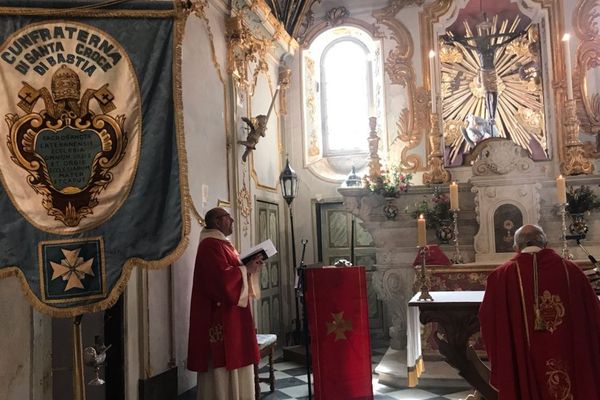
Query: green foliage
{"points": [[435, 210], [581, 199], [390, 183]]}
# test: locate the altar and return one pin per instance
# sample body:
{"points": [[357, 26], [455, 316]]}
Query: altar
{"points": [[456, 314]]}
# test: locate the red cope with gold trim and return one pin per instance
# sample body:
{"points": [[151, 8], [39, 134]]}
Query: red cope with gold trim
{"points": [[562, 361], [336, 300]]}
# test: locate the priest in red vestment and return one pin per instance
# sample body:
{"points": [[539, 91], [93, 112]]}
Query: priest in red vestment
{"points": [[222, 343], [540, 322]]}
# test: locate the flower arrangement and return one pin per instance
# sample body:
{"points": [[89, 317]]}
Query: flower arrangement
{"points": [[436, 210], [390, 183], [581, 200]]}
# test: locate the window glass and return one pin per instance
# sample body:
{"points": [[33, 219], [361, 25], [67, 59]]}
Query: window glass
{"points": [[346, 84]]}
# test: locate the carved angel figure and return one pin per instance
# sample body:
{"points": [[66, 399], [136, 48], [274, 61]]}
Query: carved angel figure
{"points": [[257, 127], [477, 130]]}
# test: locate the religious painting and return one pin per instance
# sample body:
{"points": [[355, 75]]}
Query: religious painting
{"points": [[492, 83], [507, 219]]}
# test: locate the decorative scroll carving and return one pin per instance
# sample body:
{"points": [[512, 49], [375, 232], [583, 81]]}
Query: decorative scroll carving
{"points": [[336, 16], [326, 23], [244, 200], [500, 158], [244, 50], [398, 66]]}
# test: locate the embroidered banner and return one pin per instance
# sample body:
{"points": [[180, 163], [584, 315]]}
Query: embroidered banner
{"points": [[92, 160]]}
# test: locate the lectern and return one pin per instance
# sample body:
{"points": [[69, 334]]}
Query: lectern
{"points": [[336, 301]]}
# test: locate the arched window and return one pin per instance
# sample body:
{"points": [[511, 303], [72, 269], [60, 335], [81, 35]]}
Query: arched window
{"points": [[342, 87], [346, 97]]}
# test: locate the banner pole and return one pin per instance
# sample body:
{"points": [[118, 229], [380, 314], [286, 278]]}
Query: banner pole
{"points": [[78, 387]]}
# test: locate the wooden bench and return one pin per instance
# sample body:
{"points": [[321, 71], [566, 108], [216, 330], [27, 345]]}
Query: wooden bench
{"points": [[266, 346]]}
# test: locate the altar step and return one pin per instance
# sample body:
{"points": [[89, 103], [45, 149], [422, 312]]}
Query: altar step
{"points": [[392, 371]]}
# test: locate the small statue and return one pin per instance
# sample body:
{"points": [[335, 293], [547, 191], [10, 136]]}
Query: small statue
{"points": [[477, 130], [95, 356], [257, 127]]}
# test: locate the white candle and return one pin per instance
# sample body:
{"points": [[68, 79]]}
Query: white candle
{"points": [[561, 190], [453, 196], [421, 235], [568, 67], [433, 81], [372, 111]]}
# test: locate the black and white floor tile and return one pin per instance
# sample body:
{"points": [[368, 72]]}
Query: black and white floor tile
{"points": [[291, 384]]}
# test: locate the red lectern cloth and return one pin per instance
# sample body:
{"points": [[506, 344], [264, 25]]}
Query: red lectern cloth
{"points": [[336, 300]]}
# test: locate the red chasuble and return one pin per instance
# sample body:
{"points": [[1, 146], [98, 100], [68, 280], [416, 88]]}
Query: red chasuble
{"points": [[336, 300], [220, 331], [562, 361]]}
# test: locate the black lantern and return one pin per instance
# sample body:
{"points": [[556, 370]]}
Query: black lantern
{"points": [[289, 189], [289, 183]]}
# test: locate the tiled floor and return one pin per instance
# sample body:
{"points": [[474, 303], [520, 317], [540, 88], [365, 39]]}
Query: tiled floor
{"points": [[291, 383]]}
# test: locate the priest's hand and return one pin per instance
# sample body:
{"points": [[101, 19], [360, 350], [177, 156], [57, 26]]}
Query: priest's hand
{"points": [[255, 264]]}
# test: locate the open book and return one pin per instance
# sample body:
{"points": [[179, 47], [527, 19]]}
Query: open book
{"points": [[266, 249]]}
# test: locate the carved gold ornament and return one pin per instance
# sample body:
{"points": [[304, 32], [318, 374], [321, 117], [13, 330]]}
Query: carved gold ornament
{"points": [[413, 126], [516, 79], [244, 49]]}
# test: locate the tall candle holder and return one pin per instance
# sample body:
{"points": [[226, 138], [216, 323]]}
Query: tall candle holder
{"points": [[565, 250], [456, 257], [423, 281]]}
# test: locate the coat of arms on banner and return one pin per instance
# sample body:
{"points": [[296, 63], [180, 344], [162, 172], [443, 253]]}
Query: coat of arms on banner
{"points": [[73, 118]]}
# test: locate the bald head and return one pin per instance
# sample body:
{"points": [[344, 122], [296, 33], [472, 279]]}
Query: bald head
{"points": [[214, 216], [530, 235]]}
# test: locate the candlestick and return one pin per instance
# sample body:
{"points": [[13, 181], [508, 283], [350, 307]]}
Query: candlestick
{"points": [[433, 81], [565, 250], [568, 67], [421, 232], [456, 257], [453, 196], [561, 190], [423, 280]]}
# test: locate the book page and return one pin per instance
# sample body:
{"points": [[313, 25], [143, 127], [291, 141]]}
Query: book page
{"points": [[267, 247]]}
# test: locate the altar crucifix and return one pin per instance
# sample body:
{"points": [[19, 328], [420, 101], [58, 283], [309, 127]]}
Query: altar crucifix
{"points": [[486, 44]]}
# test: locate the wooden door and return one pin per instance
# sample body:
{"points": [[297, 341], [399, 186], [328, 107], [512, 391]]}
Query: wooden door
{"points": [[334, 234], [269, 306]]}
